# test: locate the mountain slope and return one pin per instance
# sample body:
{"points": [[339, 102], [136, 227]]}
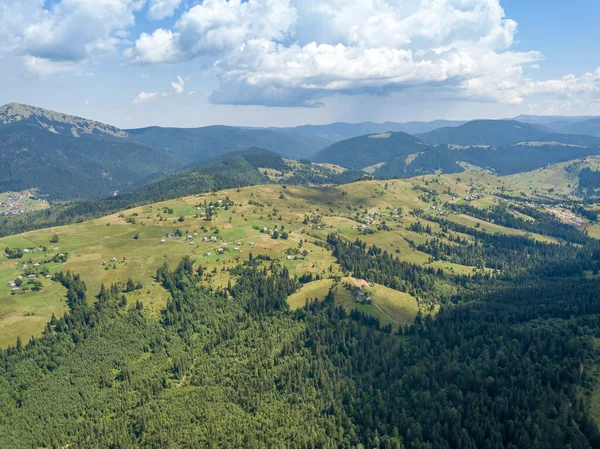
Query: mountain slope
{"points": [[66, 167], [501, 132], [57, 122], [194, 144], [365, 151], [69, 157], [232, 172]]}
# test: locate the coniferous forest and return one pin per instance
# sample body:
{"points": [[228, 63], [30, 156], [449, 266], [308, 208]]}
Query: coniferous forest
{"points": [[508, 361]]}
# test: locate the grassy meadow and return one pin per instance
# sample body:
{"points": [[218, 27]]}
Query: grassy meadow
{"points": [[134, 243]]}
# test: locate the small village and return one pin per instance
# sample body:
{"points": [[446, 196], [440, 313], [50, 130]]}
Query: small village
{"points": [[19, 203]]}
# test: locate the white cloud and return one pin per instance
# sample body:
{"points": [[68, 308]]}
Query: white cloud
{"points": [[144, 97], [155, 48], [179, 85], [45, 68], [298, 52], [160, 9], [213, 27], [65, 34]]}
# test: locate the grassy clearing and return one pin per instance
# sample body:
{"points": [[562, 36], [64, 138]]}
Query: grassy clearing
{"points": [[493, 228], [390, 306], [316, 289]]}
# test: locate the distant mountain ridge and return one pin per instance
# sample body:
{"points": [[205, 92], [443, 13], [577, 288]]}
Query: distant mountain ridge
{"points": [[68, 157], [365, 151], [192, 144], [339, 131], [57, 122], [501, 132], [500, 146]]}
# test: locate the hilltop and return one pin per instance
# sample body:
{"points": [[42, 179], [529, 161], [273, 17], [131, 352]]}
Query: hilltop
{"points": [[365, 151], [57, 122]]}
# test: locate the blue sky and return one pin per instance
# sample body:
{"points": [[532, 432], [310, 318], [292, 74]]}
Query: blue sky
{"points": [[135, 63], [566, 32]]}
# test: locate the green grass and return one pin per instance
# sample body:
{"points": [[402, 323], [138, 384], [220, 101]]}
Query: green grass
{"points": [[316, 289], [91, 243], [390, 306]]}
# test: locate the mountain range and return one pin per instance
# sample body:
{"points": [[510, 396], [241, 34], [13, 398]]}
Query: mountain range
{"points": [[67, 157], [501, 146], [339, 131], [193, 144], [502, 132]]}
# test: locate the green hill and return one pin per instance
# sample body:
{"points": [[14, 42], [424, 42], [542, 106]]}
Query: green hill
{"points": [[257, 157], [169, 326], [365, 151]]}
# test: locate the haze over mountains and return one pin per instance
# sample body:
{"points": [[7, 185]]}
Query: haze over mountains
{"points": [[67, 157], [500, 146], [336, 132], [192, 144], [501, 132]]}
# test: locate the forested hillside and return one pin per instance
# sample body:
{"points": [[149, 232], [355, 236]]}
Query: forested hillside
{"points": [[66, 167], [194, 144], [66, 157], [504, 363], [503, 147], [590, 127], [364, 151]]}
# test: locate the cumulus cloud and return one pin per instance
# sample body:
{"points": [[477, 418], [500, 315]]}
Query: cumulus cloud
{"points": [[215, 27], [160, 9], [298, 52], [46, 68], [63, 35], [178, 88], [144, 97]]}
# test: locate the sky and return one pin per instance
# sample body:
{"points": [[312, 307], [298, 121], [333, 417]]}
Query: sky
{"points": [[136, 63]]}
